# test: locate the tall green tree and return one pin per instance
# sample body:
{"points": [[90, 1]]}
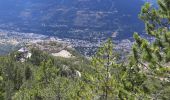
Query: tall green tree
{"points": [[153, 56], [113, 80], [102, 63]]}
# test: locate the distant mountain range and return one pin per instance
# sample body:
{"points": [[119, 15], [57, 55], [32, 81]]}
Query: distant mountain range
{"points": [[154, 2], [80, 19]]}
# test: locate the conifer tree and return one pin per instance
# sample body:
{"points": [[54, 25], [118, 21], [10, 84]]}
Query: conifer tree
{"points": [[103, 77], [153, 56]]}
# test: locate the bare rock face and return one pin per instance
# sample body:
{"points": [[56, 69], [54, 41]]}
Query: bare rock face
{"points": [[63, 53], [52, 47], [67, 72]]}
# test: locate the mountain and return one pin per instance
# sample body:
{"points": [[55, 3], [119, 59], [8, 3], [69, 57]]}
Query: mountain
{"points": [[154, 2], [79, 19]]}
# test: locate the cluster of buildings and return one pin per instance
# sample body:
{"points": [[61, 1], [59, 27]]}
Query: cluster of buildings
{"points": [[15, 38]]}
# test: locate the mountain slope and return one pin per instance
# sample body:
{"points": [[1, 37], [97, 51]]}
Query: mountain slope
{"points": [[78, 18]]}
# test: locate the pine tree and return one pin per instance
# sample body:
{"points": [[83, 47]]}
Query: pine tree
{"points": [[153, 56], [104, 77]]}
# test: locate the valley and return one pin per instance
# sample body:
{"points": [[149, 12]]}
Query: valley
{"points": [[76, 19], [84, 24], [13, 40]]}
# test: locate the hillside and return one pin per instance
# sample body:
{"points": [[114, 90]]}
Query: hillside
{"points": [[32, 73], [81, 19], [30, 69]]}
